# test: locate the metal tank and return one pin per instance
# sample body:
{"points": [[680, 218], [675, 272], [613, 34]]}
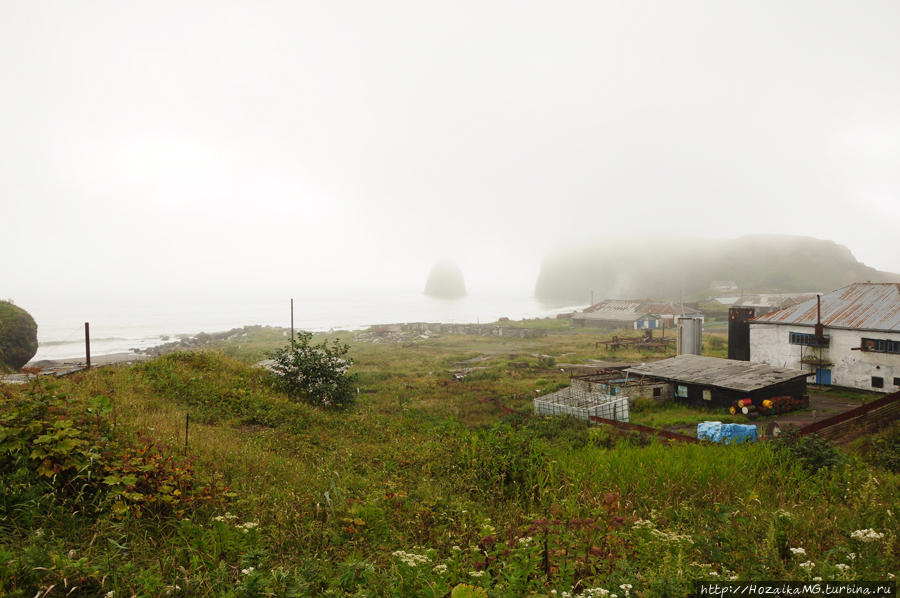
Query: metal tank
{"points": [[690, 336]]}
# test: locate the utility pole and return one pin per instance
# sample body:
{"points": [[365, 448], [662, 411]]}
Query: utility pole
{"points": [[292, 320]]}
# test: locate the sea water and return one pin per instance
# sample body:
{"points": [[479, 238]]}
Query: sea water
{"points": [[132, 323]]}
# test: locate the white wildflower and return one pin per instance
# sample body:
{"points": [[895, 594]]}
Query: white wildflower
{"points": [[411, 559], [455, 548], [440, 569], [817, 578], [843, 568], [798, 551], [642, 523], [713, 573], [671, 536], [476, 573], [866, 535], [808, 565], [245, 527], [110, 594], [525, 540], [248, 570], [851, 556]]}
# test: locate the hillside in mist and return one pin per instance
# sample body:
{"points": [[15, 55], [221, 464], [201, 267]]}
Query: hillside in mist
{"points": [[669, 268]]}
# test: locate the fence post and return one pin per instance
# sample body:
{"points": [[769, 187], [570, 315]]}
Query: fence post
{"points": [[187, 423], [87, 343]]}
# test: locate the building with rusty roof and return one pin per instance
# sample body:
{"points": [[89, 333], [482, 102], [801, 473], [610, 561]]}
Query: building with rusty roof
{"points": [[848, 337]]}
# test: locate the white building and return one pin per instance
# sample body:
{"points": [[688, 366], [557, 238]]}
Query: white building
{"points": [[860, 342]]}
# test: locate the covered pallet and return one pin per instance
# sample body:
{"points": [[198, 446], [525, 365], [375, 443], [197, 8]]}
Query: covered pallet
{"points": [[583, 405]]}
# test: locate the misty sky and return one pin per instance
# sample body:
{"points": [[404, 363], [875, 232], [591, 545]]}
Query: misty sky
{"points": [[166, 145]]}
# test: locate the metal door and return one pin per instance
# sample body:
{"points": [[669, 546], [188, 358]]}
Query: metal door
{"points": [[823, 376]]}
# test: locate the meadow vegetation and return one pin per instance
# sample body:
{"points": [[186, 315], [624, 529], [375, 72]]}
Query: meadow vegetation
{"points": [[429, 484]]}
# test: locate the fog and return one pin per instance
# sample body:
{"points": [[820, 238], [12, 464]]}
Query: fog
{"points": [[171, 148]]}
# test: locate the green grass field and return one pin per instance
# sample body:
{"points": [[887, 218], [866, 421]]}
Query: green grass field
{"points": [[428, 485]]}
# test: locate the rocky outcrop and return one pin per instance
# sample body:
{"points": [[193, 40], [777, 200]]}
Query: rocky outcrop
{"points": [[18, 336], [445, 281]]}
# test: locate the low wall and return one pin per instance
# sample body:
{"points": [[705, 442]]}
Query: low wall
{"points": [[473, 329]]}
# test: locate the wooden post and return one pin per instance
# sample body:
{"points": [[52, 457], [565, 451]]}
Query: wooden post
{"points": [[187, 423], [87, 343], [292, 320]]}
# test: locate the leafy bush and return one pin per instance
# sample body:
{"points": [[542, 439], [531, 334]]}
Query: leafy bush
{"points": [[18, 336], [884, 449], [812, 452], [567, 429], [55, 449], [316, 374], [506, 462], [546, 361]]}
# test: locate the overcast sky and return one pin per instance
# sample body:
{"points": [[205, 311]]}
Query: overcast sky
{"points": [[165, 145]]}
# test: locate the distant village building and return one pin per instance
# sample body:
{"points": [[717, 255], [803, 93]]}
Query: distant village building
{"points": [[719, 382], [640, 314], [858, 345], [723, 286]]}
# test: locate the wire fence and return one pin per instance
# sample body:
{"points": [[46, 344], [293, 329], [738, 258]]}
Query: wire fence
{"points": [[581, 404]]}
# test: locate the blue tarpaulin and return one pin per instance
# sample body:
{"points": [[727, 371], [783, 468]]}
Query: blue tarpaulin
{"points": [[727, 433]]}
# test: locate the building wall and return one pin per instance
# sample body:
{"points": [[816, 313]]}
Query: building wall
{"points": [[770, 344], [711, 396]]}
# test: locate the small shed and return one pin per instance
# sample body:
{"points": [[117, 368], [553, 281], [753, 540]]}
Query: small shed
{"points": [[719, 382], [620, 384]]}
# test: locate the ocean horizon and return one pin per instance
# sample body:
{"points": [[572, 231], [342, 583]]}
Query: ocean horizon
{"points": [[123, 326]]}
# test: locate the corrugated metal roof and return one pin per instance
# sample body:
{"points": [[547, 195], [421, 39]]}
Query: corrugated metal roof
{"points": [[611, 316], [742, 376], [772, 300], [640, 306], [859, 306]]}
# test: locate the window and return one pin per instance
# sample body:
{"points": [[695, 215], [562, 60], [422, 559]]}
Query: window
{"points": [[880, 345], [896, 381], [809, 340], [681, 391], [877, 382], [707, 394], [658, 391]]}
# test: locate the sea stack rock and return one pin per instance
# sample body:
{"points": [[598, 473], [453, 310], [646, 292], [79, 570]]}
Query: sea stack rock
{"points": [[445, 281]]}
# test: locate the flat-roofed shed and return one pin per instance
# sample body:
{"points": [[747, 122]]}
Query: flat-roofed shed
{"points": [[714, 381]]}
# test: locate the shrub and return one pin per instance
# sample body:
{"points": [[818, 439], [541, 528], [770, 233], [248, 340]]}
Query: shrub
{"points": [[812, 452], [316, 374], [18, 335], [546, 361]]}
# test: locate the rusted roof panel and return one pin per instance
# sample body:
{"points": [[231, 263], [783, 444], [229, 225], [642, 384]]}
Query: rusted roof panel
{"points": [[742, 376], [862, 306], [640, 306]]}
